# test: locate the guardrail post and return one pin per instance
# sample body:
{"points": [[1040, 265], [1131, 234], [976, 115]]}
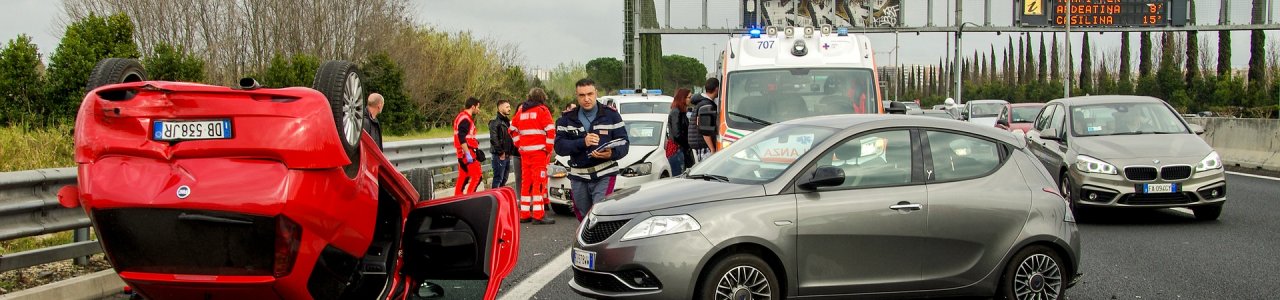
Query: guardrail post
{"points": [[80, 235]]}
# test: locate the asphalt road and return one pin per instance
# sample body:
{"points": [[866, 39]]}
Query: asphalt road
{"points": [[1128, 254]]}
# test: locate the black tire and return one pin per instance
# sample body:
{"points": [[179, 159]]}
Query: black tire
{"points": [[423, 180], [565, 210], [340, 82], [1065, 187], [116, 70], [1034, 256], [742, 264], [1207, 212]]}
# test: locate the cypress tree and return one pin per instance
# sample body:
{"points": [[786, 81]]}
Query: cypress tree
{"points": [[1193, 57], [1086, 66], [1044, 61], [1224, 53], [1144, 55], [1057, 66], [1126, 66]]}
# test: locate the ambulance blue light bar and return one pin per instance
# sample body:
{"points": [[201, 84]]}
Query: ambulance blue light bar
{"points": [[640, 91], [842, 31], [755, 33]]}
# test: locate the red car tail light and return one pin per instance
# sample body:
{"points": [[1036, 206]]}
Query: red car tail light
{"points": [[288, 238]]}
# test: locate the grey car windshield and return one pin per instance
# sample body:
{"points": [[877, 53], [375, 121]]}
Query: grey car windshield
{"points": [[985, 110], [775, 96], [644, 133], [762, 156], [1124, 119]]}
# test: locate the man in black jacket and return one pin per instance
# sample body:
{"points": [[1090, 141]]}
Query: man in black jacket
{"points": [[703, 143], [501, 145], [371, 124]]}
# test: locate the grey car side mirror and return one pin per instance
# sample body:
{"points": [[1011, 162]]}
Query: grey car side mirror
{"points": [[824, 176], [1049, 134], [1196, 128]]}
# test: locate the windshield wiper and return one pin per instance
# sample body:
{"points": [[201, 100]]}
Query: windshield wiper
{"points": [[705, 176], [752, 119]]}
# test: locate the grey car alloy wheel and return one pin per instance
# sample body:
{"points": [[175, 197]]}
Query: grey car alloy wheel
{"points": [[1038, 277], [743, 282]]}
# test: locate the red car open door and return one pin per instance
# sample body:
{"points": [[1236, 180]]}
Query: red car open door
{"points": [[462, 247]]}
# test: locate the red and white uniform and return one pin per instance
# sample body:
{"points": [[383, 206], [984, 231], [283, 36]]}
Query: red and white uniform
{"points": [[534, 134], [464, 131]]}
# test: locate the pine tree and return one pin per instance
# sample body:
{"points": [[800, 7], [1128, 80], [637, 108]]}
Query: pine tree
{"points": [[1010, 77], [1086, 66], [1022, 61]]}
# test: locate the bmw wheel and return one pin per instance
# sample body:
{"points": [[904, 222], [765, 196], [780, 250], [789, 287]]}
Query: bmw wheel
{"points": [[1035, 273], [740, 276]]}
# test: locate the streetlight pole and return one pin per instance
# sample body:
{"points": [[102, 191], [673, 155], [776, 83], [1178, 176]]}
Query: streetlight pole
{"points": [[897, 80], [955, 62]]}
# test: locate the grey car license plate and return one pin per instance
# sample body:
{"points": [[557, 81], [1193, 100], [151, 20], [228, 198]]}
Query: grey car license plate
{"points": [[584, 259], [1158, 188], [191, 130]]}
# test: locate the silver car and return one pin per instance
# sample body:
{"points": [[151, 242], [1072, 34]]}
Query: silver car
{"points": [[1128, 151], [845, 206]]}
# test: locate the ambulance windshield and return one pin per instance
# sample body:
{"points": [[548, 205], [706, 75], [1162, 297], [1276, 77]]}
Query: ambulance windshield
{"points": [[780, 95]]}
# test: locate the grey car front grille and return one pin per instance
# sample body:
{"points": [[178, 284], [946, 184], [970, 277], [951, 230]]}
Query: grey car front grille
{"points": [[1140, 173], [601, 231], [1175, 172]]}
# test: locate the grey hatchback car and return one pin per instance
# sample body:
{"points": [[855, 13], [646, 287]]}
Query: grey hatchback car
{"points": [[1128, 151], [847, 206]]}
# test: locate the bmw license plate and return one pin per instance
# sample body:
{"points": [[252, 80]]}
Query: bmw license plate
{"points": [[1158, 188], [584, 259], [191, 130]]}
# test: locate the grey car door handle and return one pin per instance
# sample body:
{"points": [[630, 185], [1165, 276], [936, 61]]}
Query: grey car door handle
{"points": [[906, 207]]}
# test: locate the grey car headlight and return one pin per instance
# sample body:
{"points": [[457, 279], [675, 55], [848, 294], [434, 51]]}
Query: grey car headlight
{"points": [[640, 169], [661, 225], [1093, 165], [1213, 161]]}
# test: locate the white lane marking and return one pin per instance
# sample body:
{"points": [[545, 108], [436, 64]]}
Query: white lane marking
{"points": [[539, 279], [1254, 176], [1184, 210]]}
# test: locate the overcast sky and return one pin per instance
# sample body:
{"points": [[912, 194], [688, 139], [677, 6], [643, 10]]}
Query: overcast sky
{"points": [[561, 31]]}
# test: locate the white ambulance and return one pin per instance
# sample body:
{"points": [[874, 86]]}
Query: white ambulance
{"points": [[777, 74]]}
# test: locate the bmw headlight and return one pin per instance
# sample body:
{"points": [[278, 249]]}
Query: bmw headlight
{"points": [[557, 171], [662, 225], [640, 169], [1094, 165], [1213, 161]]}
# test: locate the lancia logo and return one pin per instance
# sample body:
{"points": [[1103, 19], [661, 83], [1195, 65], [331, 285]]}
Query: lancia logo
{"points": [[183, 192], [591, 222]]}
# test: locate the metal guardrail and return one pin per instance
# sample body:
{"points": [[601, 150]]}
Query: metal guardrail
{"points": [[29, 202]]}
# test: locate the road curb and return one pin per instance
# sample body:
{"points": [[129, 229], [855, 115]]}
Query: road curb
{"points": [[93, 286]]}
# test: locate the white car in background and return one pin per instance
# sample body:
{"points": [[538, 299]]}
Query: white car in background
{"points": [[645, 115], [983, 112]]}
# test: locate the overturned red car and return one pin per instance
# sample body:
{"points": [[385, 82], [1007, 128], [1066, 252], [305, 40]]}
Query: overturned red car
{"points": [[210, 192]]}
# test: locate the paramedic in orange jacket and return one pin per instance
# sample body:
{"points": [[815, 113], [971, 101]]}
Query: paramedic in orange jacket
{"points": [[534, 134], [469, 154]]}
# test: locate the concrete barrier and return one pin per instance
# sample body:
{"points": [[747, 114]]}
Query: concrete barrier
{"points": [[1244, 143]]}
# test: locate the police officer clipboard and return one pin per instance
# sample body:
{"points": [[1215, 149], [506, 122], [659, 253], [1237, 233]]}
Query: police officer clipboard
{"points": [[610, 145]]}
